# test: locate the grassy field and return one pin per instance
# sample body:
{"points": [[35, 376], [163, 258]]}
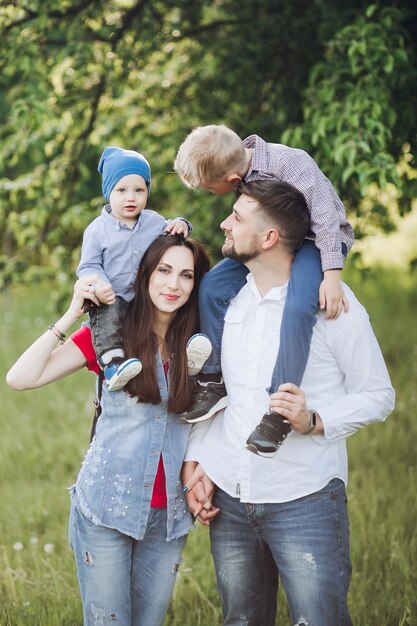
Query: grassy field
{"points": [[44, 434]]}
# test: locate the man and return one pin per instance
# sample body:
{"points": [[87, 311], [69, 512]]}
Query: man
{"points": [[285, 515]]}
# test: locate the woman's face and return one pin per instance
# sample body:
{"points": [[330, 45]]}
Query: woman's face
{"points": [[172, 281]]}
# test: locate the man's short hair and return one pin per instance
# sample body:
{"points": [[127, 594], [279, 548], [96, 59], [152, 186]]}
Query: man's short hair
{"points": [[208, 155], [283, 206]]}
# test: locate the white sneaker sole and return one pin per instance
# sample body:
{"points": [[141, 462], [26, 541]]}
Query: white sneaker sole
{"points": [[254, 449], [121, 378], [199, 349]]}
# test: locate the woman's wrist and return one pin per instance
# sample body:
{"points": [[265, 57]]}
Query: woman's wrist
{"points": [[61, 326], [54, 328]]}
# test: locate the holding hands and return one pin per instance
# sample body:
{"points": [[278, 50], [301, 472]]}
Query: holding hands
{"points": [[199, 490], [95, 289]]}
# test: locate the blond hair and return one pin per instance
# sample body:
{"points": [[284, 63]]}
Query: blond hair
{"points": [[208, 155]]}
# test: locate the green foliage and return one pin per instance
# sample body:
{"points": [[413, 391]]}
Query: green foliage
{"points": [[337, 79], [45, 433], [360, 98]]}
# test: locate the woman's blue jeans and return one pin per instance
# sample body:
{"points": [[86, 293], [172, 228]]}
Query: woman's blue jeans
{"points": [[124, 581], [305, 542], [228, 277]]}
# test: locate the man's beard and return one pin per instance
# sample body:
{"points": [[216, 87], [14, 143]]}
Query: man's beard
{"points": [[243, 257]]}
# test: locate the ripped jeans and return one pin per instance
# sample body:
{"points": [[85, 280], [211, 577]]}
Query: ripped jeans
{"points": [[124, 582], [304, 542]]}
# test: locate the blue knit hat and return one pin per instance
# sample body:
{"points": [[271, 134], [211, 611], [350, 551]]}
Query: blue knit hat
{"points": [[116, 162]]}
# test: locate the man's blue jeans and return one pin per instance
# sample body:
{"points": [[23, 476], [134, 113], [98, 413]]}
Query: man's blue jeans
{"points": [[305, 542], [124, 581], [228, 277]]}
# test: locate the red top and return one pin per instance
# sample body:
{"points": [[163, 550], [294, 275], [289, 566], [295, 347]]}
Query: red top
{"points": [[83, 341]]}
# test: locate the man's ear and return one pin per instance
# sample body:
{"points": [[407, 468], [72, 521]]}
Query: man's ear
{"points": [[271, 238]]}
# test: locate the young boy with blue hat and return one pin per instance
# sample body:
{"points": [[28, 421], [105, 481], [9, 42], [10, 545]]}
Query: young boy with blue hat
{"points": [[113, 246]]}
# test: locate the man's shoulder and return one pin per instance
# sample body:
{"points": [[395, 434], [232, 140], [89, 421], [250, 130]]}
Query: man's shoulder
{"points": [[350, 323]]}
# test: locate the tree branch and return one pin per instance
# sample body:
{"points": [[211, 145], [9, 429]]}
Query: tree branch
{"points": [[33, 15]]}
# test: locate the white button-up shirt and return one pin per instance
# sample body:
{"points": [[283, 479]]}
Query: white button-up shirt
{"points": [[346, 382]]}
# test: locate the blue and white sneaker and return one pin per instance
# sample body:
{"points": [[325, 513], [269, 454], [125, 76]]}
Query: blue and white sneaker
{"points": [[198, 351], [118, 373]]}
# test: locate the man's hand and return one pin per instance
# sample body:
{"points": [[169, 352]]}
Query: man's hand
{"points": [[290, 402], [177, 227], [199, 491], [104, 292], [331, 295]]}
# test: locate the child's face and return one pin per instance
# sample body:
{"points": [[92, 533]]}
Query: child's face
{"points": [[128, 198]]}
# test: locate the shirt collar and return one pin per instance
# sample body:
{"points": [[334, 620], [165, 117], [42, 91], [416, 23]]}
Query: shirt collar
{"points": [[115, 223], [259, 154], [276, 293]]}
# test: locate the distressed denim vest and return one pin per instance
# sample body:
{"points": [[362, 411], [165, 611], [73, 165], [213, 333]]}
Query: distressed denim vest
{"points": [[115, 483]]}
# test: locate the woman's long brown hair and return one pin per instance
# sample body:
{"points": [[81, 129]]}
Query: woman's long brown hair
{"points": [[141, 342]]}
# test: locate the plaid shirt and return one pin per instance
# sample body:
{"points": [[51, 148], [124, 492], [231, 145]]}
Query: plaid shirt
{"points": [[328, 215]]}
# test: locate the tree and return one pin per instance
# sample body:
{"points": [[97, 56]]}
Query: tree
{"points": [[336, 80]]}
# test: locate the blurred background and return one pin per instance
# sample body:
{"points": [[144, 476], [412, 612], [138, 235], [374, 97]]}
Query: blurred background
{"points": [[337, 78]]}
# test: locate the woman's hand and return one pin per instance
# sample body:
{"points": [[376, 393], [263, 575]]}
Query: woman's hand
{"points": [[199, 490], [84, 289]]}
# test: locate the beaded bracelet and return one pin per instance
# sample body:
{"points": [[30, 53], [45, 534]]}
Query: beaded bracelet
{"points": [[61, 336]]}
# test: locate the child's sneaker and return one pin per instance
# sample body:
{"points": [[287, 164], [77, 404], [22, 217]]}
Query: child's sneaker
{"points": [[118, 373], [269, 435], [198, 351], [208, 399]]}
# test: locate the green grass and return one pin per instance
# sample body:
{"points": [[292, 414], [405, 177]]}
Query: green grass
{"points": [[44, 434]]}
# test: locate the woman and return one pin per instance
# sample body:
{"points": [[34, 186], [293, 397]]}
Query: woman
{"points": [[129, 520]]}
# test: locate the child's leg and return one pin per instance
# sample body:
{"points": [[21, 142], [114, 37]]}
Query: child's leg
{"points": [[106, 323], [299, 317], [298, 320], [217, 288]]}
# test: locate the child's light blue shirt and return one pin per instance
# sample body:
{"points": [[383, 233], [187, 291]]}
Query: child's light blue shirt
{"points": [[113, 250]]}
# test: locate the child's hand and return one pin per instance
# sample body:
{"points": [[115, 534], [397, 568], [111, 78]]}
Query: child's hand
{"points": [[331, 295], [177, 227], [104, 292]]}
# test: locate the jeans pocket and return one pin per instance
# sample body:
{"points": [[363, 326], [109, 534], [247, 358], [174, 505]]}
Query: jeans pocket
{"points": [[329, 491]]}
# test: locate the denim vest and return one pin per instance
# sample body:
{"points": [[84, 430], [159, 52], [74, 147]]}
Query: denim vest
{"points": [[115, 483]]}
